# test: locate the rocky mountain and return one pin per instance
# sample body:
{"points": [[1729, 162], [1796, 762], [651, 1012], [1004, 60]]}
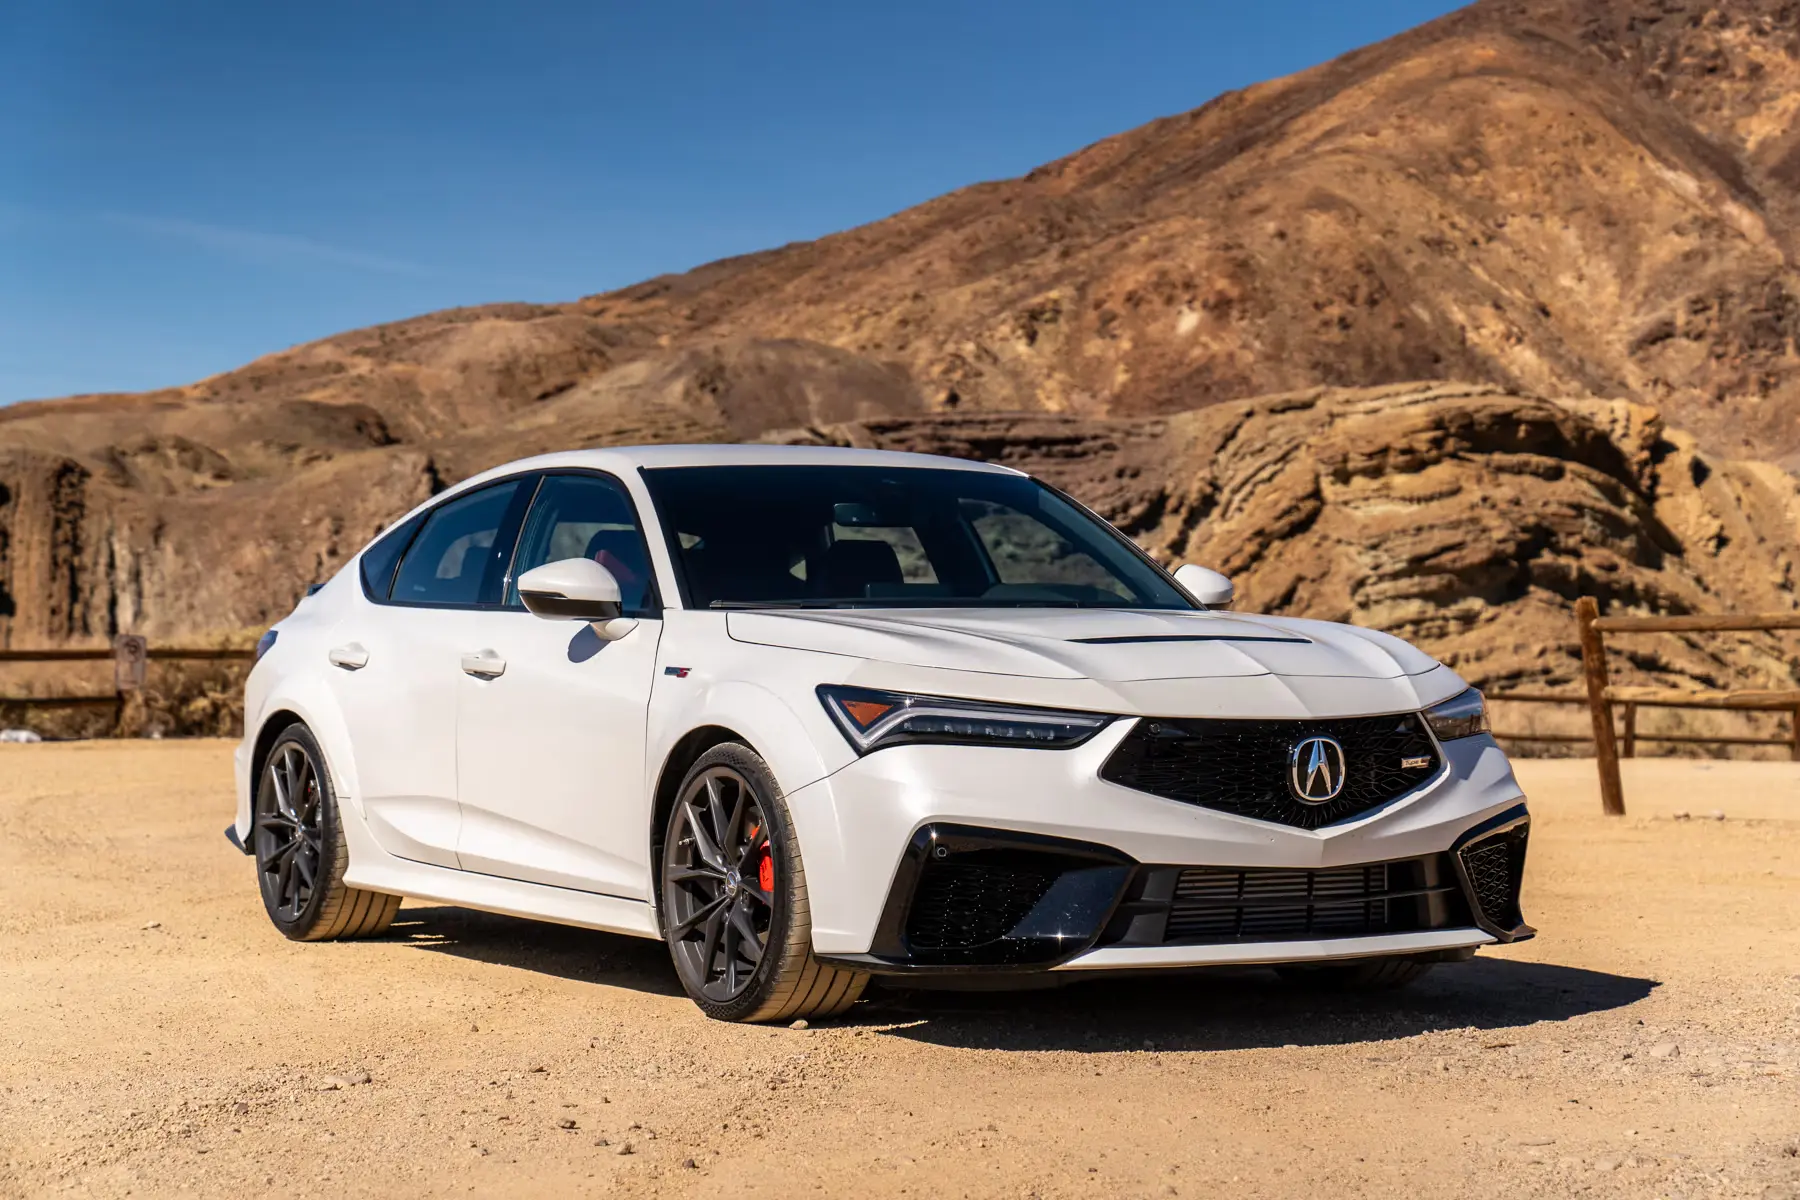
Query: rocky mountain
{"points": [[1595, 200]]}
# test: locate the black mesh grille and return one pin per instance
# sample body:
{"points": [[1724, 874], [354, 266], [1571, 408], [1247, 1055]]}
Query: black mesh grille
{"points": [[963, 906], [1495, 867], [1214, 904], [1242, 766]]}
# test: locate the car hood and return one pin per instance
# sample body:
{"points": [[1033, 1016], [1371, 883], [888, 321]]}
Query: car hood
{"points": [[1101, 644]]}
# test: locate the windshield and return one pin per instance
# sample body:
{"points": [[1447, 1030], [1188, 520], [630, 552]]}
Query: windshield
{"points": [[827, 537]]}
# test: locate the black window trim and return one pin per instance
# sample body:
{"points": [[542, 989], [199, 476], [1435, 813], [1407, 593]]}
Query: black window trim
{"points": [[652, 608], [510, 525]]}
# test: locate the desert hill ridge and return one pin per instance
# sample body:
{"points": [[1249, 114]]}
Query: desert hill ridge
{"points": [[1586, 199]]}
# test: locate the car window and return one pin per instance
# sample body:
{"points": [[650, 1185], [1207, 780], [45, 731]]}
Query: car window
{"points": [[586, 516], [380, 559], [455, 560], [809, 536], [1025, 551]]}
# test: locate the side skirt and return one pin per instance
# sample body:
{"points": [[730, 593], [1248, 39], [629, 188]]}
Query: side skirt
{"points": [[373, 868]]}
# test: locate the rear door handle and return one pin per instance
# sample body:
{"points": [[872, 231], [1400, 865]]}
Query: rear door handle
{"points": [[352, 657], [484, 664]]}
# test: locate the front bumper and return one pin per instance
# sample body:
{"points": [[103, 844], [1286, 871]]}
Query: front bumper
{"points": [[943, 859]]}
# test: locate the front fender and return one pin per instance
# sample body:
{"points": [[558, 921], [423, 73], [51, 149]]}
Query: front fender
{"points": [[799, 748], [310, 699]]}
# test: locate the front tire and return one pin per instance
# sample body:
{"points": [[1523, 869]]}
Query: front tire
{"points": [[297, 835], [734, 903]]}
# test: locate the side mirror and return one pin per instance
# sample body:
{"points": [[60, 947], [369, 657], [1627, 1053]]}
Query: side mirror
{"points": [[576, 589], [1205, 585]]}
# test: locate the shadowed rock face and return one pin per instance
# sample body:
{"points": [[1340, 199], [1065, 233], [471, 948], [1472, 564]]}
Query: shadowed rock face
{"points": [[1571, 198]]}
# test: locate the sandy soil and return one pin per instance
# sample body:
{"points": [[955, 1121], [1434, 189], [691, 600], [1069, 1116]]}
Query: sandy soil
{"points": [[156, 1036]]}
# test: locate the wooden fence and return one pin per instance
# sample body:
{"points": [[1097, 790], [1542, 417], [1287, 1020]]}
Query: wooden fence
{"points": [[130, 656], [1610, 741]]}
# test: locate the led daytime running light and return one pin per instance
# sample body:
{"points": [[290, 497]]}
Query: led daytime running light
{"points": [[1463, 715], [871, 720]]}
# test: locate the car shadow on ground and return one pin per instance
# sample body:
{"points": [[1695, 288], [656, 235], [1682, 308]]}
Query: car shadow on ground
{"points": [[1199, 1010], [1245, 1009], [585, 955]]}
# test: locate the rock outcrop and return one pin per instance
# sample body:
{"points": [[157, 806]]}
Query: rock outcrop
{"points": [[1207, 327]]}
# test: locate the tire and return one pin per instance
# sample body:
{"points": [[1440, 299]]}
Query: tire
{"points": [[297, 836], [714, 898], [1364, 975]]}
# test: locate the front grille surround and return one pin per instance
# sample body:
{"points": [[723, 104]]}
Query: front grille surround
{"points": [[1240, 766]]}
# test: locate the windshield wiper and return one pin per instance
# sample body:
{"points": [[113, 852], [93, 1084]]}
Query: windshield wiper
{"points": [[740, 604]]}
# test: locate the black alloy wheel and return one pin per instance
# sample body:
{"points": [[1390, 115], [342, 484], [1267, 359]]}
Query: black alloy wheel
{"points": [[289, 834], [297, 835], [719, 884], [733, 901]]}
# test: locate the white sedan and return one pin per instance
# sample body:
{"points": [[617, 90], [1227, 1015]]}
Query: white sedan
{"points": [[814, 715]]}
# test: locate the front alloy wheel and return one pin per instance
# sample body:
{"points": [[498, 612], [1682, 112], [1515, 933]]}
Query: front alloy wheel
{"points": [[297, 836], [721, 882], [734, 906]]}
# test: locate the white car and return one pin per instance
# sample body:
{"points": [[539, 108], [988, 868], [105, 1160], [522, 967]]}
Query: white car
{"points": [[814, 715]]}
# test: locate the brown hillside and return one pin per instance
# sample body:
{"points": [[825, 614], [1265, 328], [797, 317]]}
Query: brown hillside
{"points": [[1586, 198]]}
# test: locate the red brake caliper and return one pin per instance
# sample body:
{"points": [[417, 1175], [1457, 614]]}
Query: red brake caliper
{"points": [[765, 870]]}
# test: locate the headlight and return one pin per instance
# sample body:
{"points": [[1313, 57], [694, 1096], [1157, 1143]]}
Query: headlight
{"points": [[872, 720], [265, 643], [1461, 716]]}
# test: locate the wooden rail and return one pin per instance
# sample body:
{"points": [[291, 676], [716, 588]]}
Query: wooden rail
{"points": [[1601, 696], [129, 655]]}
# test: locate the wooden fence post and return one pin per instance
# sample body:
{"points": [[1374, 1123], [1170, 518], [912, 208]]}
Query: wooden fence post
{"points": [[1628, 743], [1593, 663], [1794, 735]]}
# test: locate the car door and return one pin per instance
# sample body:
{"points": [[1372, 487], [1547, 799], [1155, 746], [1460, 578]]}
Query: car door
{"points": [[396, 663], [550, 744]]}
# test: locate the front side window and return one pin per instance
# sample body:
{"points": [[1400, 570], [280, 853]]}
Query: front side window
{"points": [[826, 536], [456, 560], [586, 516]]}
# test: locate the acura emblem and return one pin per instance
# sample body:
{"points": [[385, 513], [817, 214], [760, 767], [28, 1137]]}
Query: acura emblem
{"points": [[1316, 770]]}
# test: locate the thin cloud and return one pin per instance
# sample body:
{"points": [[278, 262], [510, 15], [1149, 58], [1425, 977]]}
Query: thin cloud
{"points": [[264, 249]]}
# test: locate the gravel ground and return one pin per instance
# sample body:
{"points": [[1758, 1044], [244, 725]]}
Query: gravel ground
{"points": [[156, 1036]]}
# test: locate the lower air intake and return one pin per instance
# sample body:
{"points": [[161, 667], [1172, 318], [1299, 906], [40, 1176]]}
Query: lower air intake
{"points": [[1493, 867], [963, 906], [1222, 904]]}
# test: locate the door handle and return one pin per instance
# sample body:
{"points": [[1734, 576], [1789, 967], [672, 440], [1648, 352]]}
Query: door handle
{"points": [[352, 657], [484, 664]]}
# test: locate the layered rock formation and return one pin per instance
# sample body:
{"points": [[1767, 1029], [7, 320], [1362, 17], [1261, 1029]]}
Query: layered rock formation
{"points": [[1584, 199]]}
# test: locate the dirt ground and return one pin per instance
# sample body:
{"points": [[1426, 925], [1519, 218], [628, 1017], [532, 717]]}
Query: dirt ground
{"points": [[157, 1036]]}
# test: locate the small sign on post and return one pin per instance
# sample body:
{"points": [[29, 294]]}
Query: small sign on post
{"points": [[131, 654]]}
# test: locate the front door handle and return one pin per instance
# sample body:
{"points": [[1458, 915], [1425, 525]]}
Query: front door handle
{"points": [[352, 657], [483, 664]]}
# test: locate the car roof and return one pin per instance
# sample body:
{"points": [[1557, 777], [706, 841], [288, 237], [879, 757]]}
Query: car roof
{"points": [[621, 459]]}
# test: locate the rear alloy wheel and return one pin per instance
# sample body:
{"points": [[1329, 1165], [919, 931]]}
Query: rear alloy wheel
{"points": [[1362, 975], [300, 850], [734, 904]]}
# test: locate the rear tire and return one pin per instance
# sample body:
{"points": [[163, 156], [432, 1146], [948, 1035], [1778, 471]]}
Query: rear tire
{"points": [[743, 951], [297, 835], [1365, 975]]}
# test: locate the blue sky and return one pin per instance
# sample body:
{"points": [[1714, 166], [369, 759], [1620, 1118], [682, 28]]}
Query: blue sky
{"points": [[186, 186]]}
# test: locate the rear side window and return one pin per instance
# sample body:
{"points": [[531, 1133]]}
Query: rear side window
{"points": [[379, 560], [459, 558]]}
